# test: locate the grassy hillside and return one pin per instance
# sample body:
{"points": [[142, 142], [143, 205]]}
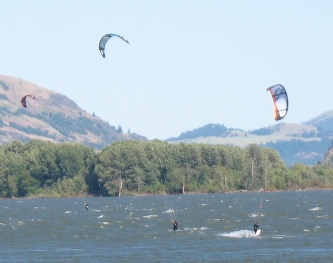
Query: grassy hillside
{"points": [[278, 132], [51, 116], [302, 143], [324, 122]]}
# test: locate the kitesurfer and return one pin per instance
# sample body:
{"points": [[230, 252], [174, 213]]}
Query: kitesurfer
{"points": [[175, 224], [87, 207], [256, 227]]}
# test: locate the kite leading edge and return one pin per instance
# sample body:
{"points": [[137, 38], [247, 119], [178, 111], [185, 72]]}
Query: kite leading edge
{"points": [[280, 101], [23, 100], [105, 39]]}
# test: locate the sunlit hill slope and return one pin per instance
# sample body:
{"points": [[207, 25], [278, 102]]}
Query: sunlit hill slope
{"points": [[305, 143], [51, 116]]}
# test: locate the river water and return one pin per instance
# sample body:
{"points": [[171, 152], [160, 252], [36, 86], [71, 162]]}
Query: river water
{"points": [[296, 227]]}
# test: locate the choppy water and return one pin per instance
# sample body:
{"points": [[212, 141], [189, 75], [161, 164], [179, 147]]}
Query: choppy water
{"points": [[296, 227]]}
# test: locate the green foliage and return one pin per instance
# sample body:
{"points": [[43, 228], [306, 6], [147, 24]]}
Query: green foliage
{"points": [[37, 166], [155, 166], [40, 168]]}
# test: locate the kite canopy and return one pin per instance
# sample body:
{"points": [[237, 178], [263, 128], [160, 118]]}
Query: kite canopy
{"points": [[23, 100], [280, 100], [105, 39]]}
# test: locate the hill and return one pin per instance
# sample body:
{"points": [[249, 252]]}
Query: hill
{"points": [[323, 122], [219, 134], [306, 143], [51, 116], [208, 130]]}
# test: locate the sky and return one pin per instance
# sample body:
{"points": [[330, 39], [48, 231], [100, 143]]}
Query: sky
{"points": [[187, 64]]}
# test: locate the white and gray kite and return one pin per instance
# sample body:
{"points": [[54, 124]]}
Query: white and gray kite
{"points": [[105, 39]]}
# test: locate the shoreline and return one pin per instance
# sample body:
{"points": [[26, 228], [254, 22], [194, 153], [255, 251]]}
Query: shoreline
{"points": [[160, 194]]}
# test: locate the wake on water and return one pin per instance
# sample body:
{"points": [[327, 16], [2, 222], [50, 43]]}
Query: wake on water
{"points": [[169, 211], [239, 234]]}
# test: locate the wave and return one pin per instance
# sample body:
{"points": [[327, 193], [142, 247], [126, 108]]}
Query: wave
{"points": [[150, 216], [315, 208], [195, 228], [169, 211], [239, 234], [256, 215]]}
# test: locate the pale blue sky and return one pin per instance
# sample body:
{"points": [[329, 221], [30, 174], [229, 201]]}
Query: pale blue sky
{"points": [[189, 63]]}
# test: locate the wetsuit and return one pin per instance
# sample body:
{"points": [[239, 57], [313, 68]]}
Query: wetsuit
{"points": [[256, 227], [175, 227]]}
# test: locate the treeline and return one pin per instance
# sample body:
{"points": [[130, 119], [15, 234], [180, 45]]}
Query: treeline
{"points": [[45, 169]]}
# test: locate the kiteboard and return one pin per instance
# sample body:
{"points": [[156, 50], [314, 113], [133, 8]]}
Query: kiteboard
{"points": [[258, 233]]}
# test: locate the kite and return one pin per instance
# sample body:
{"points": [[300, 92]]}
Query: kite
{"points": [[105, 39], [23, 100], [280, 100]]}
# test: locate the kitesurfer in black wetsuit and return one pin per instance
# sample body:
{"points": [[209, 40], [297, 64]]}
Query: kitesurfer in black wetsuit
{"points": [[175, 224], [256, 227], [87, 206]]}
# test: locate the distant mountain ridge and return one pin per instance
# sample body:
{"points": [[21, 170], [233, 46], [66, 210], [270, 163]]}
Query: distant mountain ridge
{"points": [[52, 116], [323, 122], [207, 130], [279, 131], [307, 143]]}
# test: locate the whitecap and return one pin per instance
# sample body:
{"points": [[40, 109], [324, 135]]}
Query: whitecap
{"points": [[150, 216], [239, 234], [322, 216], [190, 229], [255, 215], [100, 216], [196, 228], [279, 236], [214, 219], [169, 211], [315, 208]]}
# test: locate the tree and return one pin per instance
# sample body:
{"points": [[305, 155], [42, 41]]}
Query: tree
{"points": [[254, 155]]}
